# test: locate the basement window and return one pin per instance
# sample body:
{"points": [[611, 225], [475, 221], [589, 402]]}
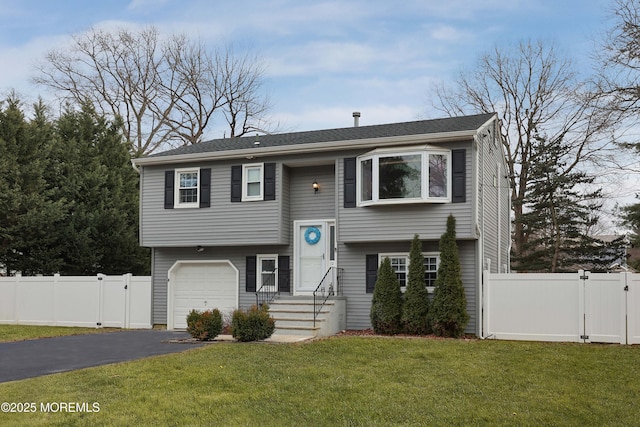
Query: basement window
{"points": [[400, 265]]}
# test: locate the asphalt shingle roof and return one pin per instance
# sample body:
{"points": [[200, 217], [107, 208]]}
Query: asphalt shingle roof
{"points": [[450, 124]]}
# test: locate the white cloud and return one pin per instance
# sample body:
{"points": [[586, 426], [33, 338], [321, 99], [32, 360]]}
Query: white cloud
{"points": [[20, 64], [144, 4], [448, 33], [322, 57]]}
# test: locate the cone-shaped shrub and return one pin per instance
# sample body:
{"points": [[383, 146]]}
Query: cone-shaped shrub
{"points": [[415, 310], [449, 307], [386, 306]]}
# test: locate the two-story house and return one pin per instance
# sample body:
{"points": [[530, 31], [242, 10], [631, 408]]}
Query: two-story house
{"points": [[298, 212]]}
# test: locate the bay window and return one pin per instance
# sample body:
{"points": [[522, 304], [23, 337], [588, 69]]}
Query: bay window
{"points": [[412, 175]]}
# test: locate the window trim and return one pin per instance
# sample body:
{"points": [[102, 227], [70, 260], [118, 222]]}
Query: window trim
{"points": [[405, 255], [245, 182], [176, 201], [259, 272], [424, 151]]}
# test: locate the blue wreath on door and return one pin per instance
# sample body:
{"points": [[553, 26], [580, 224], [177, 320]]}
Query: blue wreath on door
{"points": [[312, 235]]}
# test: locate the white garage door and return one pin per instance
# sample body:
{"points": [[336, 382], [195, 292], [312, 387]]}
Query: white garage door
{"points": [[200, 285]]}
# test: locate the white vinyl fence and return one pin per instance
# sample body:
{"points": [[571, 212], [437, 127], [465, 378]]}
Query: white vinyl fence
{"points": [[95, 301], [577, 307]]}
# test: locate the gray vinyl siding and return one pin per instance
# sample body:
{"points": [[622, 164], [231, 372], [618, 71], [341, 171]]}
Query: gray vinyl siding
{"points": [[494, 213], [284, 195], [164, 258], [402, 221], [223, 224], [351, 258], [307, 204]]}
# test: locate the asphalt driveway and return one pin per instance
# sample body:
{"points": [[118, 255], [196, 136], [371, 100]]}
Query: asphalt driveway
{"points": [[33, 358]]}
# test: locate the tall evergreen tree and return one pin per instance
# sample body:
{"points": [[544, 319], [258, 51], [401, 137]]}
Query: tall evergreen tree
{"points": [[29, 215], [449, 314], [560, 213], [94, 174], [386, 306], [631, 218], [415, 310]]}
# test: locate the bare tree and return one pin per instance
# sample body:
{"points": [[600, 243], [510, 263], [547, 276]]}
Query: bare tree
{"points": [[619, 59], [241, 77], [535, 92], [166, 90]]}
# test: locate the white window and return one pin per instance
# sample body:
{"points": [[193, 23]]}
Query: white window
{"points": [[411, 175], [430, 269], [400, 265], [252, 182], [187, 188], [267, 272]]}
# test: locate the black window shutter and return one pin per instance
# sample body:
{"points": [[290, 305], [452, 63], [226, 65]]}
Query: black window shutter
{"points": [[459, 176], [284, 282], [251, 274], [350, 182], [205, 188], [372, 272], [269, 181], [236, 183], [168, 189]]}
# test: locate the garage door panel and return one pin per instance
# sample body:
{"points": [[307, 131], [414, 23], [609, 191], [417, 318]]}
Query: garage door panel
{"points": [[201, 286]]}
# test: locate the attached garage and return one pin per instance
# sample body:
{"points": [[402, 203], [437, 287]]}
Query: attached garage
{"points": [[200, 285]]}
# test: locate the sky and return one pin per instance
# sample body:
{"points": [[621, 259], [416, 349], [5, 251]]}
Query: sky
{"points": [[324, 59]]}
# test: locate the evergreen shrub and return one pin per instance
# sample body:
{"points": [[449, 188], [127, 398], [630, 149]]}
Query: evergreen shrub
{"points": [[415, 310], [254, 324], [448, 311], [204, 326], [386, 305]]}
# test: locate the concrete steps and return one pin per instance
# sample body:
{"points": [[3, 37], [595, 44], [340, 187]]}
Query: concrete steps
{"points": [[294, 316]]}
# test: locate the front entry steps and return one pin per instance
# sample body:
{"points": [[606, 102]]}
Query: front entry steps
{"points": [[294, 316]]}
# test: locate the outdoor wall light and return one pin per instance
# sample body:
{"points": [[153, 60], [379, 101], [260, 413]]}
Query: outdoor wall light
{"points": [[316, 186]]}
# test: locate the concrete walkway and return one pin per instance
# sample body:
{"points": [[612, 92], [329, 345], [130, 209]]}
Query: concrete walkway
{"points": [[33, 358]]}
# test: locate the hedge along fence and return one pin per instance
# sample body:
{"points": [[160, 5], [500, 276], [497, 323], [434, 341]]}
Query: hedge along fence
{"points": [[93, 301], [574, 307]]}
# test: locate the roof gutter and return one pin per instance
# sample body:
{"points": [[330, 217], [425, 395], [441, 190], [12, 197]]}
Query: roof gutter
{"points": [[316, 147]]}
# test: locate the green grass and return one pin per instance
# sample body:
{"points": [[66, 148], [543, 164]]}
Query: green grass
{"points": [[23, 332], [351, 381]]}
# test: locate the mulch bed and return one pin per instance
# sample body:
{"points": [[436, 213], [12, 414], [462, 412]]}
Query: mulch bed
{"points": [[370, 333]]}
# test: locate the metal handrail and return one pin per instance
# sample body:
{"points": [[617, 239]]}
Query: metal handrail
{"points": [[325, 289], [268, 290]]}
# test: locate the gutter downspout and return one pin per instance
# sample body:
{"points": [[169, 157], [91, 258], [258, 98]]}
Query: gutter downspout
{"points": [[480, 230]]}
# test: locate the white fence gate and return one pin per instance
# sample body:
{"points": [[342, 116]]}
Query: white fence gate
{"points": [[96, 301], [582, 307]]}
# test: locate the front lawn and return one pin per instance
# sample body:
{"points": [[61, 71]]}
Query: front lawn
{"points": [[350, 381], [27, 332]]}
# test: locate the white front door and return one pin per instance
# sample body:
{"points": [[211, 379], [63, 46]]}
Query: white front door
{"points": [[315, 252]]}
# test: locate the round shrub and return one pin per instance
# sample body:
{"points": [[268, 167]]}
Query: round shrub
{"points": [[204, 326], [254, 324]]}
